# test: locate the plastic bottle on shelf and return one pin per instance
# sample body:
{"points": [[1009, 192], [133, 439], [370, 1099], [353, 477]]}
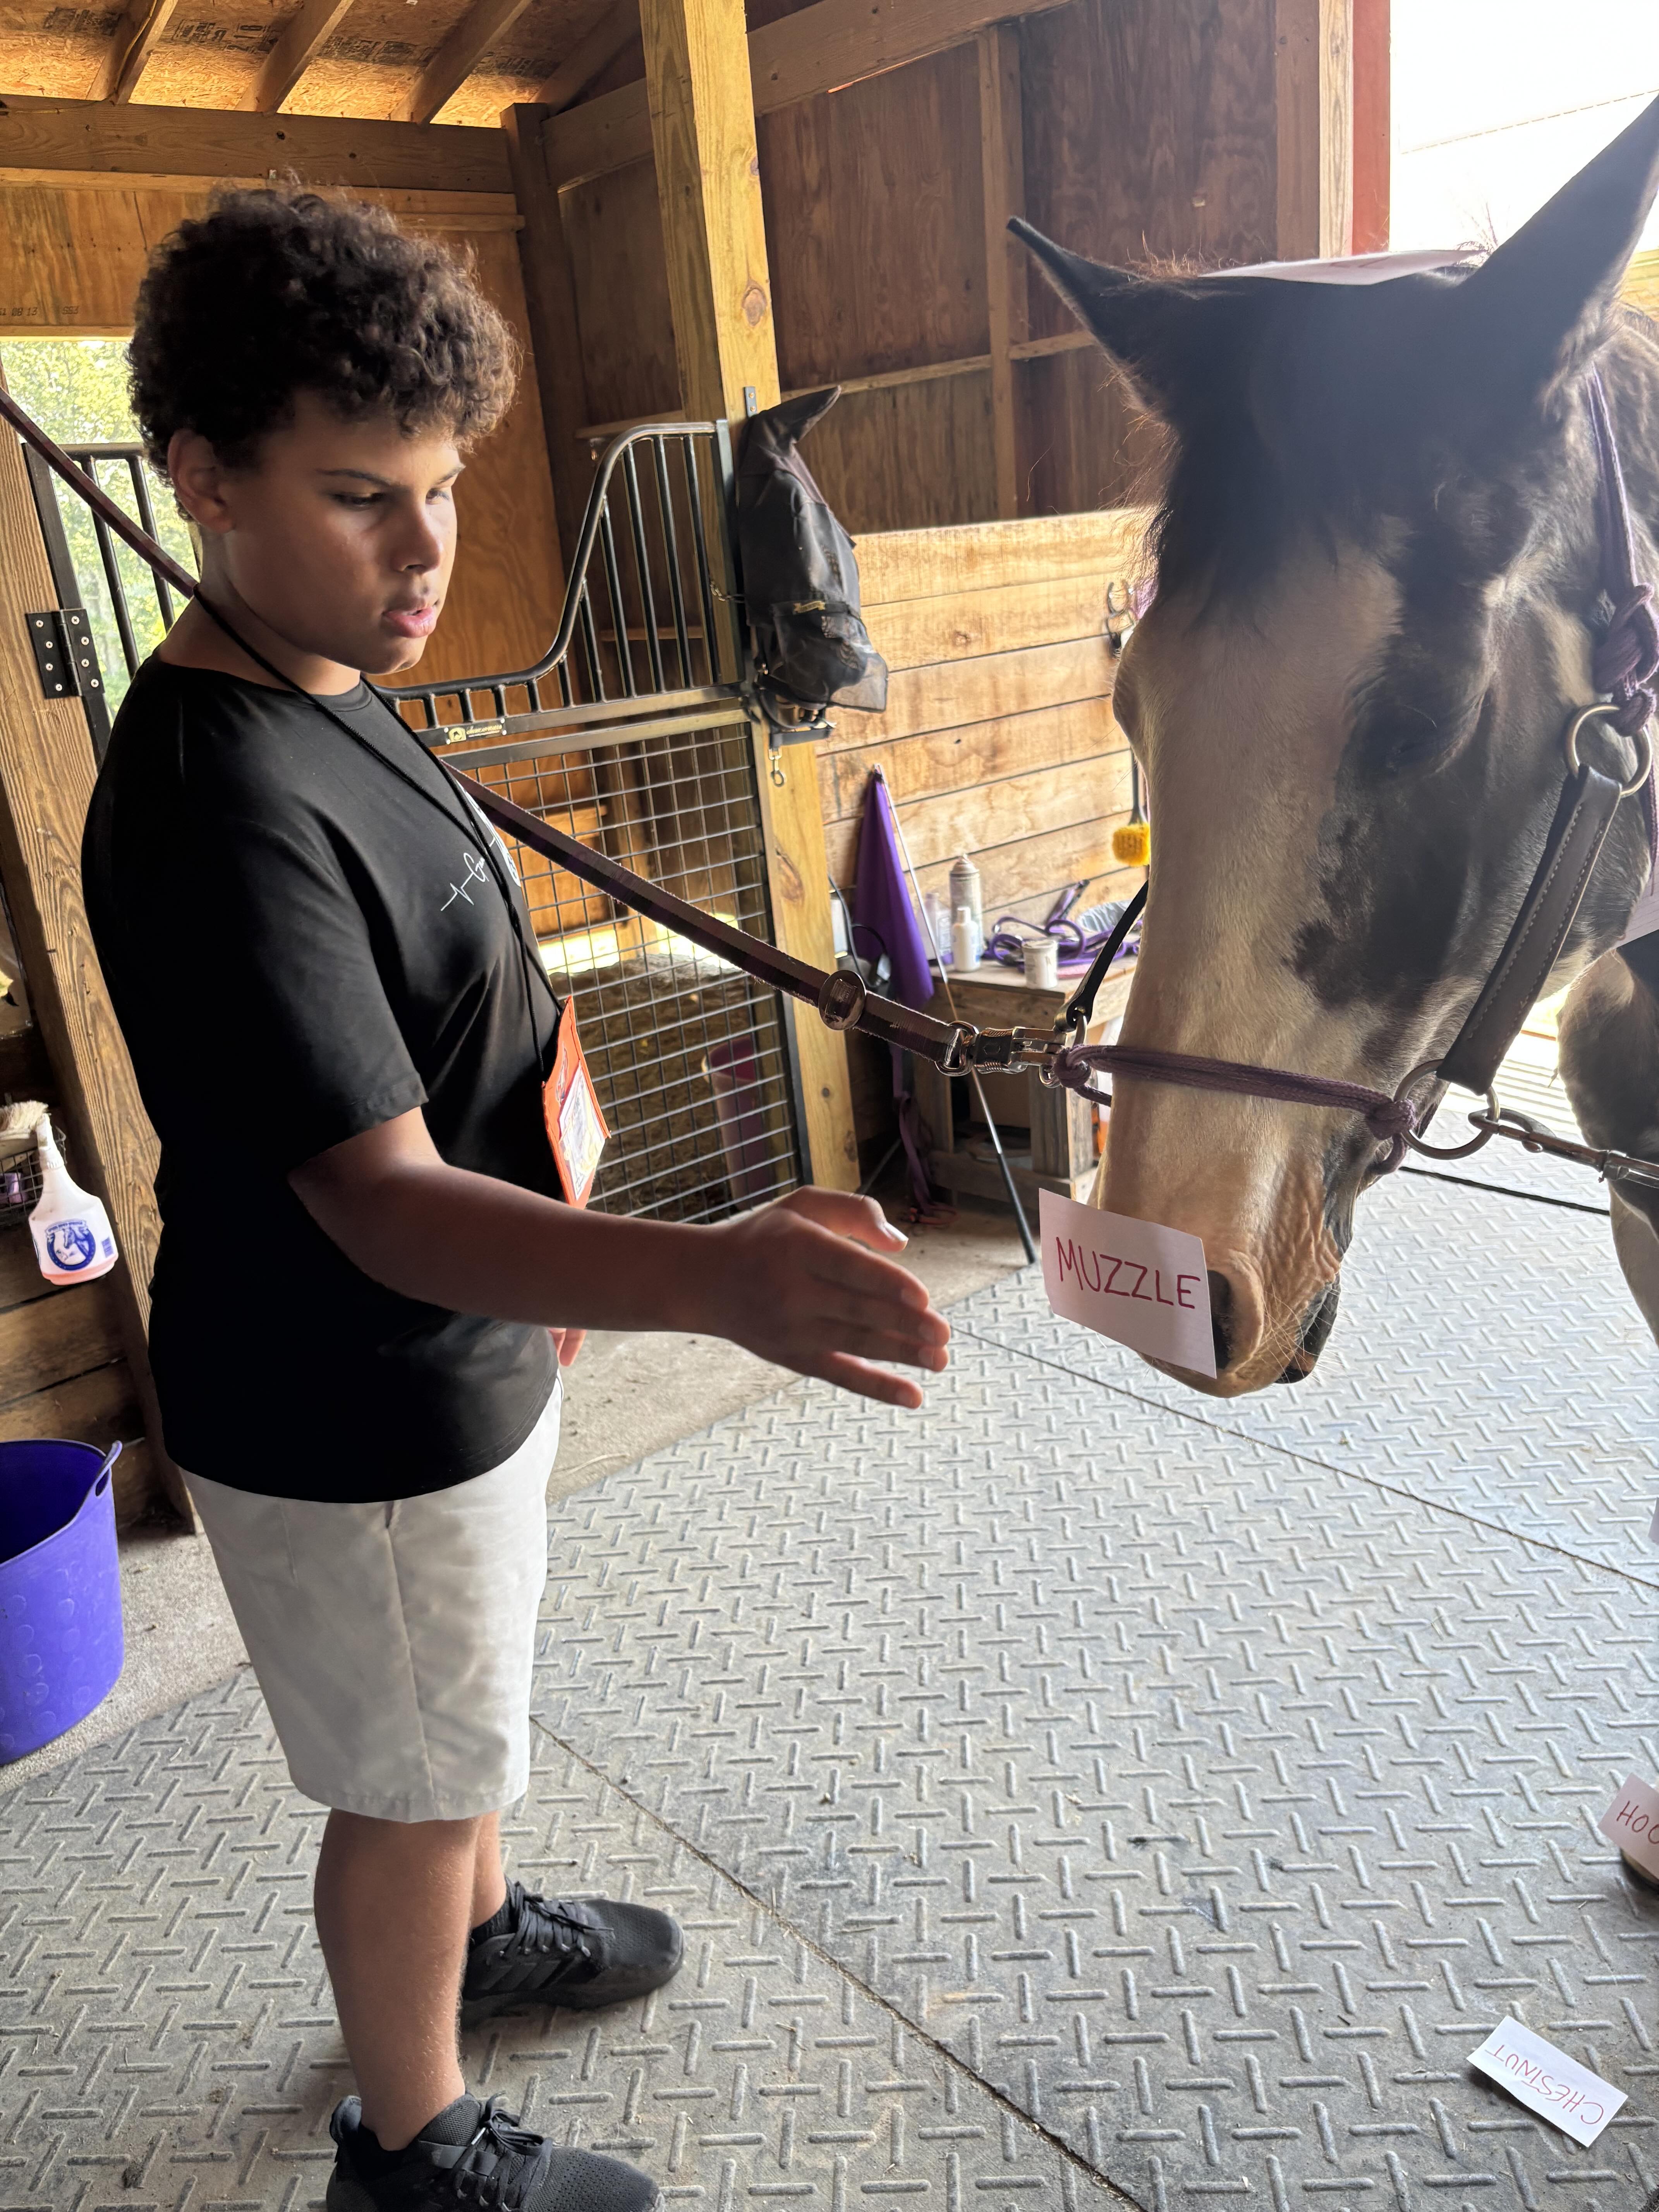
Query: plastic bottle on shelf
{"points": [[73, 1239], [965, 892], [964, 943]]}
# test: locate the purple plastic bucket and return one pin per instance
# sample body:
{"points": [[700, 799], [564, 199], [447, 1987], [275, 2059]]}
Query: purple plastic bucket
{"points": [[60, 1589]]}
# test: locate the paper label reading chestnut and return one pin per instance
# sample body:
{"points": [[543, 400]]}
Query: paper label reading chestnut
{"points": [[1556, 2088], [1632, 1821], [1135, 1281]]}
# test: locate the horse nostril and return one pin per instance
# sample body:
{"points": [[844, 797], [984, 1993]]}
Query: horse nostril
{"points": [[1221, 1312]]}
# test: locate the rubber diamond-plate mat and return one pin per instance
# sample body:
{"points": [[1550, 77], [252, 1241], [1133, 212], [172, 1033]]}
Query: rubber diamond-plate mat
{"points": [[1487, 1355], [1211, 1806], [167, 2042], [1063, 1794]]}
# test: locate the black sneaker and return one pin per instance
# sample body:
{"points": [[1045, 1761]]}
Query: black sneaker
{"points": [[581, 1953], [476, 2154]]}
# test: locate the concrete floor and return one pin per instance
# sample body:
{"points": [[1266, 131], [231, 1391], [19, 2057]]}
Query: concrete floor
{"points": [[627, 1396]]}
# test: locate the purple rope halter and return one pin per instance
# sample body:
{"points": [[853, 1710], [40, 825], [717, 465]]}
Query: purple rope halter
{"points": [[1390, 1120], [1626, 666]]}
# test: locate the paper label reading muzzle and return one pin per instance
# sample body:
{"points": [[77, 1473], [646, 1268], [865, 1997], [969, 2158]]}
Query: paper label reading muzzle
{"points": [[1135, 1281]]}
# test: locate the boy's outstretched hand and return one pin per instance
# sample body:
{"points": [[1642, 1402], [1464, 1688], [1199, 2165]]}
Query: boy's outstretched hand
{"points": [[801, 1283]]}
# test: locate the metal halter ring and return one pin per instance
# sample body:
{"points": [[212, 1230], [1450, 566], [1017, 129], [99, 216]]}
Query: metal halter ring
{"points": [[1644, 746], [1447, 1152]]}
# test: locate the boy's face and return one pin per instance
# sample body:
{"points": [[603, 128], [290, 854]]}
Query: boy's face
{"points": [[341, 536]]}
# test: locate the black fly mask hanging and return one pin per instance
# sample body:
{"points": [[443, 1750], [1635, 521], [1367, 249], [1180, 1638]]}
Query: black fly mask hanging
{"points": [[800, 579]]}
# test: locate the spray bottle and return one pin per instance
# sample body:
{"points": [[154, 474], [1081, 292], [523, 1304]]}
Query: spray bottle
{"points": [[73, 1239]]}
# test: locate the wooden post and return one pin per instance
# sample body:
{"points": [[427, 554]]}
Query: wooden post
{"points": [[1372, 132], [1002, 153], [1313, 80], [46, 782], [550, 292], [702, 130]]}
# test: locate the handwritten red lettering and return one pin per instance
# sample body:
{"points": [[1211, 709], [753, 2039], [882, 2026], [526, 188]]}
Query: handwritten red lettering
{"points": [[1158, 1288], [1138, 1292], [1182, 1298]]}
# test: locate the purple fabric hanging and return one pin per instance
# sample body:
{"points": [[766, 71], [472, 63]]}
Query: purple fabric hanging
{"points": [[884, 919]]}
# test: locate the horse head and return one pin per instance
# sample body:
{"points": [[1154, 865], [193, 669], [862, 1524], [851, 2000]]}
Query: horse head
{"points": [[1378, 594]]}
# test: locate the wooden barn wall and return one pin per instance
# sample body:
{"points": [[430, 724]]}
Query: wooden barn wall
{"points": [[1150, 136], [1149, 133], [71, 262], [875, 221], [998, 738]]}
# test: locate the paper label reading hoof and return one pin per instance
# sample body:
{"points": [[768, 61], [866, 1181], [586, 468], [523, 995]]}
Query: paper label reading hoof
{"points": [[1139, 1284], [1632, 1821], [1556, 2088]]}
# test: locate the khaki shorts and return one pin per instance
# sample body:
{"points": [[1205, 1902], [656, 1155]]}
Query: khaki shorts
{"points": [[394, 1641]]}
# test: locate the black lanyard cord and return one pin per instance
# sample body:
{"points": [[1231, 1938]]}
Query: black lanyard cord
{"points": [[491, 841]]}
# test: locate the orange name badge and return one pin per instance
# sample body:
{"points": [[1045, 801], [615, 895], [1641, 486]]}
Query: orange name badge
{"points": [[571, 1107]]}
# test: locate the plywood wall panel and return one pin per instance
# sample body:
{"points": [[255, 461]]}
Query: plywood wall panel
{"points": [[508, 584], [614, 232], [1150, 134], [914, 456], [1090, 447], [1150, 131], [875, 223]]}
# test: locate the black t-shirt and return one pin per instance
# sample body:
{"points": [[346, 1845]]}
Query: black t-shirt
{"points": [[300, 945]]}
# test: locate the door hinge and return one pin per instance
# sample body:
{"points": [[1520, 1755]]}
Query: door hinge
{"points": [[64, 654]]}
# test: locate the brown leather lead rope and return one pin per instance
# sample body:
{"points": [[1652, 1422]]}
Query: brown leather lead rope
{"points": [[1627, 663]]}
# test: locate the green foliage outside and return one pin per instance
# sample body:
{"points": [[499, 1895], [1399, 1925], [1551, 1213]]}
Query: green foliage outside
{"points": [[77, 390]]}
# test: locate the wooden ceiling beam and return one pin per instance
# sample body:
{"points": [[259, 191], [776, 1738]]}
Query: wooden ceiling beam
{"points": [[618, 24], [484, 22], [302, 39], [137, 37], [52, 134], [834, 43]]}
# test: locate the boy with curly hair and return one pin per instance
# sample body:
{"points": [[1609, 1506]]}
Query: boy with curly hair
{"points": [[367, 1282]]}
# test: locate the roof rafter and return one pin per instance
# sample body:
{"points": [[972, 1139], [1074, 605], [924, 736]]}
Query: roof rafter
{"points": [[302, 39], [137, 37], [483, 23], [618, 24]]}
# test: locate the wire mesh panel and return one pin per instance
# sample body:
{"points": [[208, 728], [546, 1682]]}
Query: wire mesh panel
{"points": [[689, 1056]]}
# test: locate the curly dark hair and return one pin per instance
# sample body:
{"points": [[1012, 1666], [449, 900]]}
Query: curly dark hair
{"points": [[279, 290]]}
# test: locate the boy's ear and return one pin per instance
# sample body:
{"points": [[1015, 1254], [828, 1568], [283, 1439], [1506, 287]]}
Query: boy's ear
{"points": [[197, 481]]}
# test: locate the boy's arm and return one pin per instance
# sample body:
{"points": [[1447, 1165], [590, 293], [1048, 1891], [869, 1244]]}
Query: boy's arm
{"points": [[790, 1282]]}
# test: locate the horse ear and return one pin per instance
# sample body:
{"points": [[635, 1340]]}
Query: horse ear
{"points": [[1541, 304], [1150, 329]]}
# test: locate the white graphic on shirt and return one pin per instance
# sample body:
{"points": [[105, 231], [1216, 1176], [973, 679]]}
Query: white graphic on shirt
{"points": [[474, 872], [494, 835]]}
